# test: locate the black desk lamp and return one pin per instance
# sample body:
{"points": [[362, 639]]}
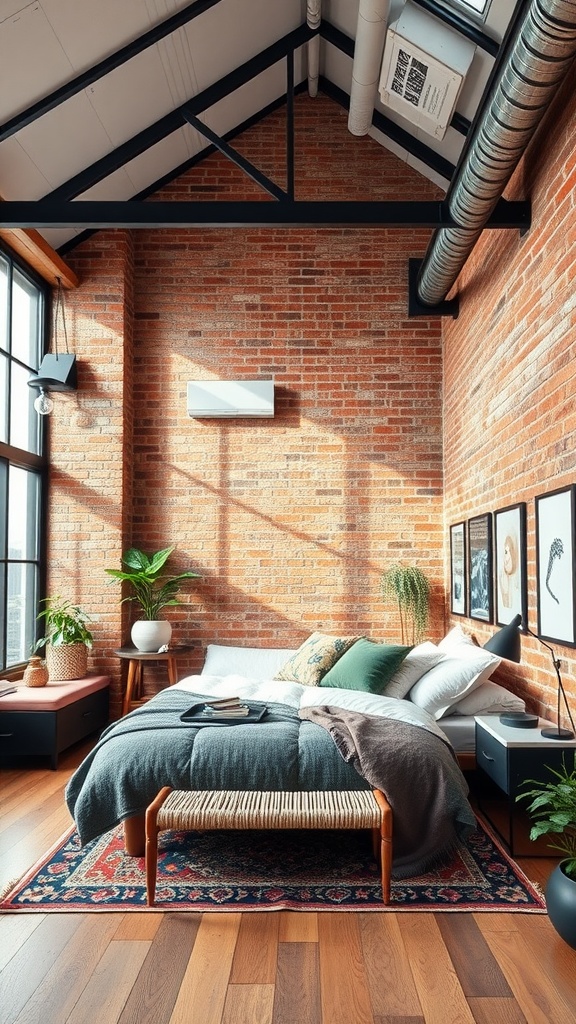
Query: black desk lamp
{"points": [[506, 644]]}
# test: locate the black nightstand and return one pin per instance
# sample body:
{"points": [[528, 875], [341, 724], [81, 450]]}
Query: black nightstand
{"points": [[512, 756]]}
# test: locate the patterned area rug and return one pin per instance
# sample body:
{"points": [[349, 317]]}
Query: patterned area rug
{"points": [[249, 871]]}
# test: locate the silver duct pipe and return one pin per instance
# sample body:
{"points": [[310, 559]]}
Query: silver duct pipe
{"points": [[313, 17], [540, 53]]}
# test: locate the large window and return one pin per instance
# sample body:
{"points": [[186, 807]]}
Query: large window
{"points": [[23, 301]]}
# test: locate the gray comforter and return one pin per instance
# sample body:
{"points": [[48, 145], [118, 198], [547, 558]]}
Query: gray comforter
{"points": [[152, 747]]}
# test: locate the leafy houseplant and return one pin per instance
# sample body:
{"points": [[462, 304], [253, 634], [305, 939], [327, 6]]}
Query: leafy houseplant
{"points": [[553, 808], [66, 639], [153, 590], [409, 586]]}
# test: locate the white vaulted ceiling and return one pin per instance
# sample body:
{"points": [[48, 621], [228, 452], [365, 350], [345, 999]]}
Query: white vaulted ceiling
{"points": [[47, 44]]}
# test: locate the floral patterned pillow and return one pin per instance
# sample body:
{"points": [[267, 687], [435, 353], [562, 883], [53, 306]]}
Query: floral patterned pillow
{"points": [[313, 659]]}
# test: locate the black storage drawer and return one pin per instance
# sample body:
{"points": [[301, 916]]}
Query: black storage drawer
{"points": [[51, 732], [77, 720], [27, 732], [491, 756]]}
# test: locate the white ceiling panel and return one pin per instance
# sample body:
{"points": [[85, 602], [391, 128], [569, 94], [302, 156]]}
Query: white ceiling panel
{"points": [[32, 60], [112, 24], [116, 186], [21, 177], [220, 41], [145, 94], [66, 140]]}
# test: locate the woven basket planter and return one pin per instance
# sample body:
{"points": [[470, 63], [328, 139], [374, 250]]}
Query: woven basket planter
{"points": [[69, 661]]}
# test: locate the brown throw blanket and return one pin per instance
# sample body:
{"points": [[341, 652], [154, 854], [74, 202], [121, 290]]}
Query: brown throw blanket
{"points": [[418, 773]]}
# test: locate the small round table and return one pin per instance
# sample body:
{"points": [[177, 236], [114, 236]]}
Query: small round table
{"points": [[136, 659]]}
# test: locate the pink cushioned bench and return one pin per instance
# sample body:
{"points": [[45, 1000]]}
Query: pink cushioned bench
{"points": [[48, 719]]}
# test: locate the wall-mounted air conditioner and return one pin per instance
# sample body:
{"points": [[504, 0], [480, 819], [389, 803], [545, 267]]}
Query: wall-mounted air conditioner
{"points": [[217, 398], [423, 69]]}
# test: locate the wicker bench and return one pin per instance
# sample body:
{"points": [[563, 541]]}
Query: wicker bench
{"points": [[204, 810]]}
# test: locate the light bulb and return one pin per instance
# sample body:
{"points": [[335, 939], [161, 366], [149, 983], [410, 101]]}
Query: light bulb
{"points": [[44, 404]]}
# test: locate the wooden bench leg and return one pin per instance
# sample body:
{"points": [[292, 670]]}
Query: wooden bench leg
{"points": [[135, 836], [152, 831], [385, 844]]}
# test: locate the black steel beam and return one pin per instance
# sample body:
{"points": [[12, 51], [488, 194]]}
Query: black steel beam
{"points": [[110, 63], [99, 170], [101, 214], [236, 158]]}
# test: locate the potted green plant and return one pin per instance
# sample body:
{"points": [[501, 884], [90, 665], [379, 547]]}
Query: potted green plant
{"points": [[409, 587], [67, 639], [153, 590], [553, 809]]}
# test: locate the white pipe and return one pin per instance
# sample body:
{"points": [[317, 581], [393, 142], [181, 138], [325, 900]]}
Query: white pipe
{"points": [[368, 50], [313, 15]]}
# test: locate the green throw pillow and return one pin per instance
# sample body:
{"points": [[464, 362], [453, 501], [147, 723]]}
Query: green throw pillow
{"points": [[366, 666]]}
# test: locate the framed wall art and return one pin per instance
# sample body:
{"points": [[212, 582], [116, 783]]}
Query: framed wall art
{"points": [[458, 569], [510, 564], [480, 567], [555, 565]]}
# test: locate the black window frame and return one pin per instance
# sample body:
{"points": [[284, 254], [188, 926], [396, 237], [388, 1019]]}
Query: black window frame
{"points": [[35, 462]]}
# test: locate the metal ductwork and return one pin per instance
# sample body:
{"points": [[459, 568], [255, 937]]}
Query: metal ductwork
{"points": [[313, 18], [538, 57]]}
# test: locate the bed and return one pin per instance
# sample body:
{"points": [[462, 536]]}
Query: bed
{"points": [[324, 728]]}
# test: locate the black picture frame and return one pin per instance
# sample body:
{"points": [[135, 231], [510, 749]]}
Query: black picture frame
{"points": [[510, 580], [480, 582], [458, 577], [555, 583]]}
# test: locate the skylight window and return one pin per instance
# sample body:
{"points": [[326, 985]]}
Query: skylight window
{"points": [[479, 8]]}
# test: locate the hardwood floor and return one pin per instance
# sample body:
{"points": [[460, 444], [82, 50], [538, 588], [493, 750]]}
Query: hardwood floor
{"points": [[272, 968]]}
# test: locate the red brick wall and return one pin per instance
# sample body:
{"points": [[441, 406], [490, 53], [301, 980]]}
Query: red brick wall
{"points": [[291, 521], [510, 373]]}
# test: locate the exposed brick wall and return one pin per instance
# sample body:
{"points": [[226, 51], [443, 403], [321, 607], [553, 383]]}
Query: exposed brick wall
{"points": [[291, 521], [510, 373]]}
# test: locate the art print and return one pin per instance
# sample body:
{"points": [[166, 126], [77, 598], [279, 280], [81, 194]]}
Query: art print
{"points": [[555, 565], [480, 567], [458, 569], [510, 563]]}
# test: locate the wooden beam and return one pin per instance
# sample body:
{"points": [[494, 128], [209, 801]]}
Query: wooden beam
{"points": [[34, 249]]}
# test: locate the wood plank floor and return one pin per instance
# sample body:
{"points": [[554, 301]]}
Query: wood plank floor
{"points": [[271, 968]]}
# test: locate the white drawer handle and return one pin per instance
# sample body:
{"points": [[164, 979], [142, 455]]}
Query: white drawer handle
{"points": [[484, 754]]}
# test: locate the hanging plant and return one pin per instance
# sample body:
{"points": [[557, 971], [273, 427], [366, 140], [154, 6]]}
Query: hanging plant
{"points": [[409, 587]]}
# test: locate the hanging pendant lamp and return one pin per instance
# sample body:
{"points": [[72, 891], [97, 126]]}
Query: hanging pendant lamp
{"points": [[57, 370]]}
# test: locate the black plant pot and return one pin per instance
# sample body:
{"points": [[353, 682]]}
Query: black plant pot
{"points": [[561, 904]]}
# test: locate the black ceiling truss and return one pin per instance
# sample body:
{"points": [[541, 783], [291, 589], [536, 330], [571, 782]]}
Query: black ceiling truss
{"points": [[133, 214], [171, 122]]}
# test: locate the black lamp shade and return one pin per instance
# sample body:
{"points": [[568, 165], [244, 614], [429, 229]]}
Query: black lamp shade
{"points": [[506, 642], [56, 373]]}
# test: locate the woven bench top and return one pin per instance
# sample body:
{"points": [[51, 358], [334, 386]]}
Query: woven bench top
{"points": [[223, 809]]}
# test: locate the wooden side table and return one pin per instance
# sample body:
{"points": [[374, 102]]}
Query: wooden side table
{"points": [[136, 660]]}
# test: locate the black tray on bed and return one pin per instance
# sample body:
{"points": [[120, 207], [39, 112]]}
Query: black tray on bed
{"points": [[198, 715]]}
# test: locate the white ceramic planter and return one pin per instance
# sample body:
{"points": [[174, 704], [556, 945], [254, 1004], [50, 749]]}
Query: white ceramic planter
{"points": [[149, 635]]}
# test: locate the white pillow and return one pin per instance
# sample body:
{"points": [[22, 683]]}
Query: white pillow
{"points": [[454, 638], [455, 676], [250, 662], [420, 659], [488, 697]]}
